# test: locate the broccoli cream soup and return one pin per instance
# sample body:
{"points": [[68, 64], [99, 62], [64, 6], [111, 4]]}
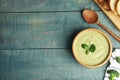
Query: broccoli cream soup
{"points": [[91, 47]]}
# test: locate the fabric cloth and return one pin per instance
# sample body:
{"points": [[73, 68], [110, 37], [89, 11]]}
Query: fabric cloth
{"points": [[114, 65]]}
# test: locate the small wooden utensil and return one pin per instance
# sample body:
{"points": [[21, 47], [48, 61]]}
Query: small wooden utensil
{"points": [[91, 17]]}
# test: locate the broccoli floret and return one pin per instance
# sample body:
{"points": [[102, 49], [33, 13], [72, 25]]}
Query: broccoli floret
{"points": [[113, 74], [118, 59]]}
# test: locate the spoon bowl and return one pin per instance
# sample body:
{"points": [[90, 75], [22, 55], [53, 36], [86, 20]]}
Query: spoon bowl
{"points": [[88, 16]]}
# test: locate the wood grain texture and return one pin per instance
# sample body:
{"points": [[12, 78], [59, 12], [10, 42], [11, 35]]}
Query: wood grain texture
{"points": [[45, 64], [45, 5], [111, 15], [40, 34], [45, 30]]}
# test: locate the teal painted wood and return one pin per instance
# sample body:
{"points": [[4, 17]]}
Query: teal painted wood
{"points": [[28, 24], [45, 64], [45, 5], [45, 30]]}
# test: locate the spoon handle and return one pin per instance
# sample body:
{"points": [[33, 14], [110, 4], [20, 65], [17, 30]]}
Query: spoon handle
{"points": [[109, 31]]}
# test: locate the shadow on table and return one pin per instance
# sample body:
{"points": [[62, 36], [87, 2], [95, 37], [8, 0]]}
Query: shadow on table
{"points": [[72, 36]]}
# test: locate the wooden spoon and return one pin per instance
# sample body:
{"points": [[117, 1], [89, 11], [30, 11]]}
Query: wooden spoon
{"points": [[91, 17]]}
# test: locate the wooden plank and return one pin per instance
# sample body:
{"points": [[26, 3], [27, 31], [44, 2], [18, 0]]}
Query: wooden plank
{"points": [[45, 5], [45, 30], [44, 64]]}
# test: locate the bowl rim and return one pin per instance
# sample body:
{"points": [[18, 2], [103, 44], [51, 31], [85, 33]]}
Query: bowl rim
{"points": [[107, 58]]}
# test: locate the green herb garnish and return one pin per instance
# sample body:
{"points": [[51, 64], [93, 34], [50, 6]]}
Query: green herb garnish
{"points": [[92, 48], [85, 46], [87, 51], [118, 59], [113, 74]]}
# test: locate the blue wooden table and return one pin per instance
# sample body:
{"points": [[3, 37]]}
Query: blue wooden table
{"points": [[36, 38]]}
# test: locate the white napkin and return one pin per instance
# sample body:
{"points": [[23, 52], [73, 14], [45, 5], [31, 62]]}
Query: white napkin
{"points": [[113, 64]]}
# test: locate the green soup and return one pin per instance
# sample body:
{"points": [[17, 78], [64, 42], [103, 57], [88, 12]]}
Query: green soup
{"points": [[91, 37]]}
